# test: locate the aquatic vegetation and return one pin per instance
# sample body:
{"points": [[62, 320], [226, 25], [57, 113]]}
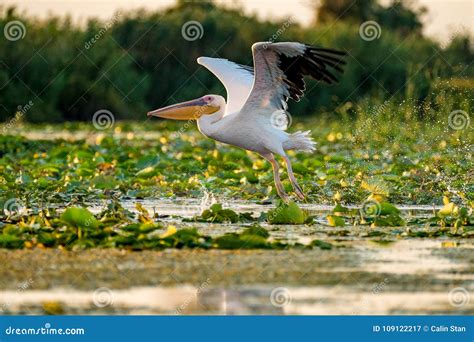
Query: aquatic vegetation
{"points": [[452, 215], [335, 221], [116, 227], [80, 218], [284, 213], [50, 176], [78, 228], [252, 237], [216, 214], [384, 214], [46, 165]]}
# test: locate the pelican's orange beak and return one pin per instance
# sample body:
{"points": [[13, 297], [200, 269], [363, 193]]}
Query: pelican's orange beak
{"points": [[190, 110]]}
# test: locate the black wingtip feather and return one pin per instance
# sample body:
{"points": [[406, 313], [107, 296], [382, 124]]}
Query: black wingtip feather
{"points": [[331, 51], [314, 62]]}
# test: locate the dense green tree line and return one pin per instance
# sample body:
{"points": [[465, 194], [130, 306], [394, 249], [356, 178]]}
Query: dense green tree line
{"points": [[56, 71]]}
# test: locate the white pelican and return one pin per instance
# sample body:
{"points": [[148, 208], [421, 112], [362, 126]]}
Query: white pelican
{"points": [[257, 99]]}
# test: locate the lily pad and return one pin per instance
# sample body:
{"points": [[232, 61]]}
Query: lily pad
{"points": [[286, 214], [80, 217], [335, 221]]}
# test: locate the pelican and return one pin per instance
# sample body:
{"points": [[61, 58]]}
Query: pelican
{"points": [[251, 118]]}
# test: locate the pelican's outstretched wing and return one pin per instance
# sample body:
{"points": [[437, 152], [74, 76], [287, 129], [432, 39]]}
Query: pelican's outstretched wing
{"points": [[279, 72], [236, 78]]}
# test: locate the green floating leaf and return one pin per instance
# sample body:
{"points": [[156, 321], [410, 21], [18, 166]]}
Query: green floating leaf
{"points": [[286, 214], [122, 241], [393, 220], [216, 214], [147, 172], [84, 244], [388, 209], [188, 237], [383, 242], [104, 182], [335, 221], [241, 241], [228, 241], [79, 217], [47, 239], [452, 215], [251, 241], [256, 230], [11, 241], [420, 234], [448, 210], [321, 244], [373, 233], [146, 161], [251, 177], [84, 172], [252, 237], [11, 230], [382, 213], [340, 209]]}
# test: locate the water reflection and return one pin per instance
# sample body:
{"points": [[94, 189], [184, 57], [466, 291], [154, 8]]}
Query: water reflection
{"points": [[238, 302], [320, 300]]}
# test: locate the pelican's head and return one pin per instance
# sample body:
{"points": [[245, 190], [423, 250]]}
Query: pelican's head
{"points": [[191, 110]]}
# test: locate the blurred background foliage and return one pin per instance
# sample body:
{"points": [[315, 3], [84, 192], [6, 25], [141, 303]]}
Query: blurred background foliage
{"points": [[140, 60]]}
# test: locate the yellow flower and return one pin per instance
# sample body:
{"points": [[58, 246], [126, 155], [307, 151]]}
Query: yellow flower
{"points": [[170, 231]]}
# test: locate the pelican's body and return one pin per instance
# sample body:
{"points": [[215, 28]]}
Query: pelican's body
{"points": [[250, 135], [253, 116]]}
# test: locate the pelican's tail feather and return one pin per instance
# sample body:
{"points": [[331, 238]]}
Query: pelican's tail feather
{"points": [[300, 141]]}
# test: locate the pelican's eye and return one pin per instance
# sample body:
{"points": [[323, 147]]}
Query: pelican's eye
{"points": [[208, 99]]}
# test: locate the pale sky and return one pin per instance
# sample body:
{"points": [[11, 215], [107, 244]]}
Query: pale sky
{"points": [[444, 18]]}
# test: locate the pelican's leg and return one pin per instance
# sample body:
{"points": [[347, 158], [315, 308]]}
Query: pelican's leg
{"points": [[276, 175], [294, 183]]}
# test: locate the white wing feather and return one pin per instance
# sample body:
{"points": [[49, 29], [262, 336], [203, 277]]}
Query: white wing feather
{"points": [[237, 80], [279, 71]]}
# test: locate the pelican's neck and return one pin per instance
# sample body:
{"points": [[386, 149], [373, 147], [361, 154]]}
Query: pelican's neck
{"points": [[210, 125]]}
